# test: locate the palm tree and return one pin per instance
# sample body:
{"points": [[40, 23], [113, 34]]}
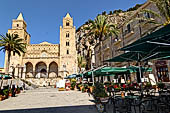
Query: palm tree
{"points": [[100, 29], [12, 44], [80, 62], [164, 8]]}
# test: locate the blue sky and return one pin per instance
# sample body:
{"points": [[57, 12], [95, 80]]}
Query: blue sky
{"points": [[43, 17]]}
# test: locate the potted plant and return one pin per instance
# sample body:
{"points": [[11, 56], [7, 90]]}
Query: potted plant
{"points": [[1, 98], [17, 90], [73, 84], [160, 85], [10, 92], [79, 87], [83, 90], [91, 89], [99, 92]]}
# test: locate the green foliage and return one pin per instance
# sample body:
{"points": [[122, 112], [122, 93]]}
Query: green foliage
{"points": [[104, 13], [148, 85], [83, 89], [73, 83], [5, 92], [135, 8], [11, 43], [118, 11], [110, 13], [161, 85], [99, 90]]}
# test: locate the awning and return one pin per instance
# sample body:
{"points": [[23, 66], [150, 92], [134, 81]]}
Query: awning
{"points": [[5, 77], [136, 68], [128, 57], [110, 71], [158, 41], [79, 75], [71, 76]]}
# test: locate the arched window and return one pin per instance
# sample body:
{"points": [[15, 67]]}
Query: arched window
{"points": [[67, 52], [67, 35], [67, 44], [67, 23]]}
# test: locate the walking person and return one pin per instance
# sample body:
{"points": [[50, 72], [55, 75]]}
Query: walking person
{"points": [[13, 90]]}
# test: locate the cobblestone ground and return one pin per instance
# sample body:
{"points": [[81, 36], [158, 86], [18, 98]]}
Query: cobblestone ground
{"points": [[47, 101]]}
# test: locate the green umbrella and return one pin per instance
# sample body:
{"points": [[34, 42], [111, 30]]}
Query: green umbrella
{"points": [[128, 57], [79, 75], [109, 71], [157, 41], [135, 69]]}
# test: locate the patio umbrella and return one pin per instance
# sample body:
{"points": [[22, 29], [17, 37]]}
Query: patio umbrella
{"points": [[128, 57], [79, 75], [158, 41], [71, 76], [110, 70], [136, 68], [5, 77]]}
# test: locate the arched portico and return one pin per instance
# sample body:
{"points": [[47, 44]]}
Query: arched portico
{"points": [[29, 70], [53, 70], [41, 70]]}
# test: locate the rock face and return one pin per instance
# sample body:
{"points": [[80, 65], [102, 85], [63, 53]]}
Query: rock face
{"points": [[83, 45]]}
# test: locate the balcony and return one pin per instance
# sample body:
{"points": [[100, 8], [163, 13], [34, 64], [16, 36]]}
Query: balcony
{"points": [[128, 33], [117, 42]]}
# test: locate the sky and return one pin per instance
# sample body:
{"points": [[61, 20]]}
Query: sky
{"points": [[44, 17]]}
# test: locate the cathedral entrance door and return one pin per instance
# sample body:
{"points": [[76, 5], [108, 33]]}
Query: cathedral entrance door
{"points": [[43, 73]]}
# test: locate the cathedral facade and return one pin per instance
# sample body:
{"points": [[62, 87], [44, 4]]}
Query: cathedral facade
{"points": [[44, 60]]}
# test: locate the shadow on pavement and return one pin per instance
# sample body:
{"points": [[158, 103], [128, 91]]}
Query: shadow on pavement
{"points": [[64, 109]]}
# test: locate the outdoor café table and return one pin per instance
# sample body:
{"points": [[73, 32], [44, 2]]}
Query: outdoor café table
{"points": [[125, 102]]}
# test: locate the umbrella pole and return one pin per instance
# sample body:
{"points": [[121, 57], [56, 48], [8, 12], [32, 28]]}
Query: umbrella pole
{"points": [[140, 72]]}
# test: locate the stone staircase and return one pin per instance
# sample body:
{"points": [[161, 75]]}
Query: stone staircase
{"points": [[28, 85]]}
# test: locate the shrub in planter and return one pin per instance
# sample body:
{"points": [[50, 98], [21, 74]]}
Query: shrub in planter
{"points": [[99, 91], [10, 92], [6, 93], [17, 90], [1, 98], [79, 86], [73, 84], [161, 85], [83, 90], [148, 85]]}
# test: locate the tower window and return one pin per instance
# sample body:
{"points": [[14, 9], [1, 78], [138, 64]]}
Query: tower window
{"points": [[67, 51], [67, 23], [67, 44], [17, 25], [128, 28], [67, 35]]}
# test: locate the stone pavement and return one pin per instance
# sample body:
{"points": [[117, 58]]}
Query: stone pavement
{"points": [[44, 100]]}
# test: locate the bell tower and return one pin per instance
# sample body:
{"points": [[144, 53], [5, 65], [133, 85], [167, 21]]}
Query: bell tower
{"points": [[19, 27], [68, 53]]}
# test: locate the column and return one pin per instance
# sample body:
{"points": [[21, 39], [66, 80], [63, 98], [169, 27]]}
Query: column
{"points": [[34, 71], [47, 71]]}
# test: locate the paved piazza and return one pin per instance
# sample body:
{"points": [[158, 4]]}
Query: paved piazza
{"points": [[48, 101]]}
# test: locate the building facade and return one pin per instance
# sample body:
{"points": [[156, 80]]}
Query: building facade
{"points": [[128, 34], [44, 60]]}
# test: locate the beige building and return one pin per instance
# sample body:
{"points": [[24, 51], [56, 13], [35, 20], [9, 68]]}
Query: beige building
{"points": [[44, 60], [128, 34]]}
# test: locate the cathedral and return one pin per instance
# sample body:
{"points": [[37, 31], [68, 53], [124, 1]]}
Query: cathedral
{"points": [[44, 60]]}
